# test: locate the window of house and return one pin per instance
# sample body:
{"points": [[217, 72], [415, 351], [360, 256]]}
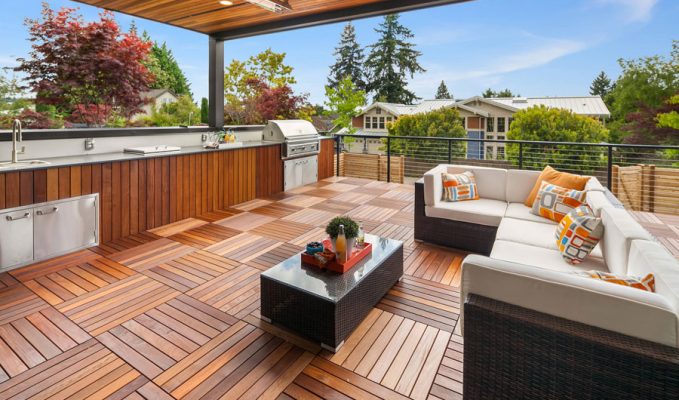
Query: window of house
{"points": [[489, 136], [375, 123], [389, 120], [500, 124], [367, 123], [378, 111], [381, 122], [500, 137], [489, 151], [490, 124], [501, 152], [509, 124]]}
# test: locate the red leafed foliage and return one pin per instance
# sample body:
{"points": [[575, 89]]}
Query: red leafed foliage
{"points": [[278, 102], [642, 126], [76, 65], [30, 120], [90, 114]]}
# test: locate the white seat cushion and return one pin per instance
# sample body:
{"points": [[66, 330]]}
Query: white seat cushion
{"points": [[490, 182], [482, 211], [618, 308], [542, 257], [596, 196], [620, 229], [527, 232], [520, 211], [520, 182], [648, 257]]}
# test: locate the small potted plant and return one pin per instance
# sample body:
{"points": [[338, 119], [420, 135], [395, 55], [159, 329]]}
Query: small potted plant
{"points": [[350, 230]]}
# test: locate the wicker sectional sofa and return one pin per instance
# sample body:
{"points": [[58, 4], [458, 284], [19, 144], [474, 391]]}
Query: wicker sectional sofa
{"points": [[532, 327]]}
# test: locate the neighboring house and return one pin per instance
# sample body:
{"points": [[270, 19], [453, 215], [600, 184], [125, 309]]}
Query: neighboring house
{"points": [[156, 97], [324, 124], [484, 118]]}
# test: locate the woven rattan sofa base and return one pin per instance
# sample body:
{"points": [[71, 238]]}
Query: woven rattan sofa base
{"points": [[460, 235], [516, 353]]}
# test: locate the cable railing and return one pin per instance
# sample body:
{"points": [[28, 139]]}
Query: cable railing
{"points": [[643, 177]]}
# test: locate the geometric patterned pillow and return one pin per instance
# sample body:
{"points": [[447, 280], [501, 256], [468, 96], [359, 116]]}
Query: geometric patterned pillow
{"points": [[554, 202], [646, 283], [578, 233], [459, 187]]}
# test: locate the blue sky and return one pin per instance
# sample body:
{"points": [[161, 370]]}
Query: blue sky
{"points": [[535, 48]]}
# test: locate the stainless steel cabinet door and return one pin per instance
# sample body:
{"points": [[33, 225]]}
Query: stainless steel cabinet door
{"points": [[16, 238], [64, 227]]}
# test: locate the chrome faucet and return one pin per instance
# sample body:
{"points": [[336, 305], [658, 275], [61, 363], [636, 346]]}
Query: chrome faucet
{"points": [[16, 137]]}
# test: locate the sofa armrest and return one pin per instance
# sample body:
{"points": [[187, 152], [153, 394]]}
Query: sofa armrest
{"points": [[629, 311], [432, 184]]}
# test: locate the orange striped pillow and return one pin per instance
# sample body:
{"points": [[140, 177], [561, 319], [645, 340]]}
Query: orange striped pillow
{"points": [[646, 283], [554, 202], [459, 187]]}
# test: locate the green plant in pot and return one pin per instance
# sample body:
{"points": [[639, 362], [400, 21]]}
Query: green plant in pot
{"points": [[350, 230]]}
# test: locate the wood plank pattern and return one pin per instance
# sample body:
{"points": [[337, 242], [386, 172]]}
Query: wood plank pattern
{"points": [[174, 313]]}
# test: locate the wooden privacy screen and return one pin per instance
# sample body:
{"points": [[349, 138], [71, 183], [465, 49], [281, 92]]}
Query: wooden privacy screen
{"points": [[326, 159], [142, 194]]}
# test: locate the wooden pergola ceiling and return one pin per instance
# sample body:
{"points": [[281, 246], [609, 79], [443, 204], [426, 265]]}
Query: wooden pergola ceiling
{"points": [[243, 19]]}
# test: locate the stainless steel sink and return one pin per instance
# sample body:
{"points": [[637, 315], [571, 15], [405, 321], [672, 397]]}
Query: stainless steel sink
{"points": [[22, 164]]}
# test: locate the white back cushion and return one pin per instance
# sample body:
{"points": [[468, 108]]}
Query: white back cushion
{"points": [[490, 182], [519, 184], [648, 257], [620, 229]]}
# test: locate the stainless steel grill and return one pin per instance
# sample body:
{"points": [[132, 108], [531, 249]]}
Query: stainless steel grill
{"points": [[299, 137], [300, 147]]}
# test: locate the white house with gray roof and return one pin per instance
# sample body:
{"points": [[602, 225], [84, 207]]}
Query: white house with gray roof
{"points": [[483, 118]]}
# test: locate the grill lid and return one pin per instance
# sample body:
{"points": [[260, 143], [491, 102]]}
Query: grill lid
{"points": [[289, 130]]}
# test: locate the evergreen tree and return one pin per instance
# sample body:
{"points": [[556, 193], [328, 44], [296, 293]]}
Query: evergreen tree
{"points": [[391, 61], [349, 60], [442, 92], [488, 93], [502, 93], [204, 113], [601, 85], [164, 66]]}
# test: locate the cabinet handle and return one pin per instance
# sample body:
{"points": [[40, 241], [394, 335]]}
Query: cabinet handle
{"points": [[11, 218], [53, 210]]}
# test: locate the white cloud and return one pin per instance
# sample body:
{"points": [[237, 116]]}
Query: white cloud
{"points": [[632, 10]]}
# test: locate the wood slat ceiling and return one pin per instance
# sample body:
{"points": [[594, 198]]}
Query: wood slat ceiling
{"points": [[245, 19]]}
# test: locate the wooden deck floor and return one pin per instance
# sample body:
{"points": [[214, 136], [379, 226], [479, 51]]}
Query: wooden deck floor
{"points": [[174, 312]]}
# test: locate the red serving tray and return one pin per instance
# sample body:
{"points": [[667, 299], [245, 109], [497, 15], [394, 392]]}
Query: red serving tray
{"points": [[335, 266]]}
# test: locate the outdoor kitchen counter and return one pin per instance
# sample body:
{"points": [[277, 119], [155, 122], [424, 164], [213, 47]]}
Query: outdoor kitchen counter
{"points": [[84, 159]]}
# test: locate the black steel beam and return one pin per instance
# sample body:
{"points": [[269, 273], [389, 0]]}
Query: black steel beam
{"points": [[329, 17], [216, 83]]}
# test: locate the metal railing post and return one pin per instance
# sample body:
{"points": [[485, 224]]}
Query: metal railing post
{"points": [[520, 155], [388, 159], [609, 170], [450, 150], [337, 150]]}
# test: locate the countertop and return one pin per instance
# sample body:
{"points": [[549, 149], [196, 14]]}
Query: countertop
{"points": [[82, 159]]}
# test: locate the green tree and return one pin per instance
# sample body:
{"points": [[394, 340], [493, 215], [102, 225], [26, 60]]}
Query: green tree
{"points": [[442, 92], [670, 119], [445, 122], [344, 102], [168, 75], [488, 93], [267, 67], [542, 123], [177, 113], [645, 82], [348, 60], [204, 112], [502, 93], [391, 61], [601, 85]]}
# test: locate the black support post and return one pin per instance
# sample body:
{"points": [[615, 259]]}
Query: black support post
{"points": [[520, 155], [450, 151], [216, 83], [609, 169], [388, 159], [338, 151]]}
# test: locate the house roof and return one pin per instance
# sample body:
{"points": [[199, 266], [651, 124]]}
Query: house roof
{"points": [[423, 107], [155, 93], [585, 105]]}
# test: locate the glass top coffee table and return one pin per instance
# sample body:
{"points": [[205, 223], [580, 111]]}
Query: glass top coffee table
{"points": [[326, 306]]}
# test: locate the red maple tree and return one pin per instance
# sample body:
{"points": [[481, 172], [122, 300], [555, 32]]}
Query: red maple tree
{"points": [[86, 69]]}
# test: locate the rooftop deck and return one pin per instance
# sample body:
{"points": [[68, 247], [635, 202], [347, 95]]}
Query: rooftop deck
{"points": [[174, 312]]}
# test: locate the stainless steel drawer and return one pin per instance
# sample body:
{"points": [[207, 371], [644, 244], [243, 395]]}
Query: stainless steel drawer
{"points": [[65, 226], [16, 238]]}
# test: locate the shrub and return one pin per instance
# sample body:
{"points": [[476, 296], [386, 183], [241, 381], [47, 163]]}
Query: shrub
{"points": [[350, 227]]}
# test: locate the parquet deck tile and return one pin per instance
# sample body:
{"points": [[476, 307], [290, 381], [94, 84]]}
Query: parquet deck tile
{"points": [[282, 230], [311, 216], [276, 210], [125, 243], [17, 301], [175, 313], [191, 270], [177, 227], [69, 283], [204, 235], [245, 221], [110, 306], [150, 254]]}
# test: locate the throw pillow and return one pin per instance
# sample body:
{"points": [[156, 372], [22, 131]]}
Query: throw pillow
{"points": [[459, 187], [578, 233], [554, 202], [646, 283], [563, 179]]}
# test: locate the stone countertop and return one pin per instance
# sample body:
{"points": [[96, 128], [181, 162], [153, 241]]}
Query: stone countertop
{"points": [[83, 159]]}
